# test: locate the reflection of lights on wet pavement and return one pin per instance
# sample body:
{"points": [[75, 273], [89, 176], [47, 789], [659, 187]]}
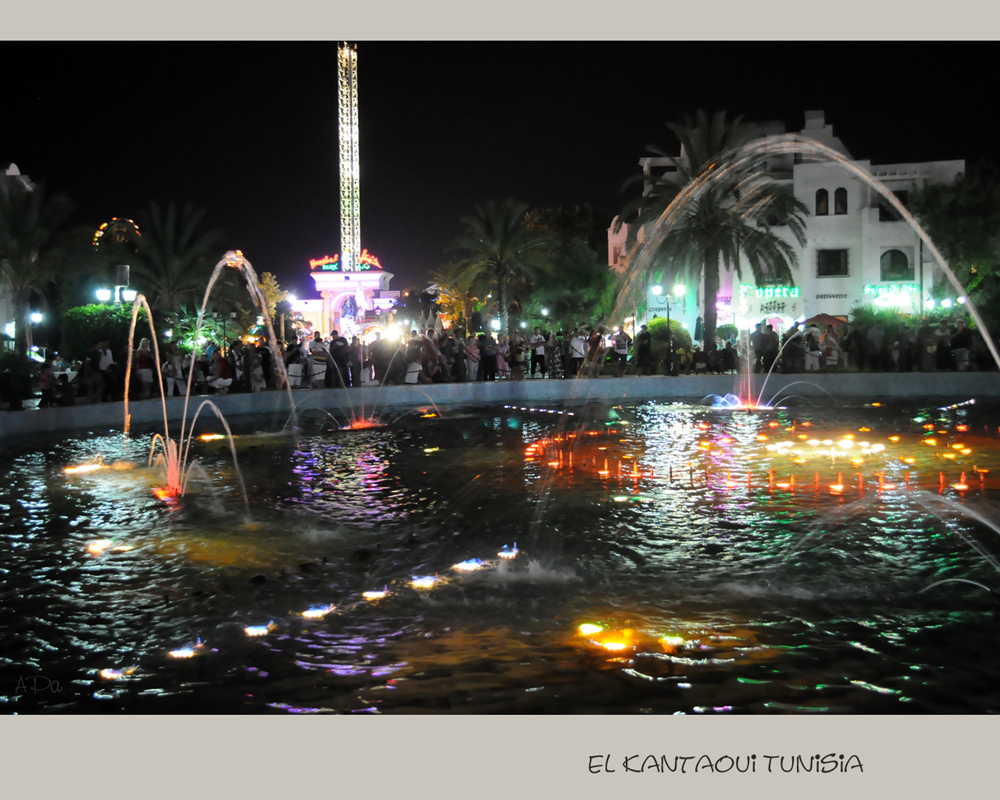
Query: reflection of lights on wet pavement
{"points": [[318, 612]]}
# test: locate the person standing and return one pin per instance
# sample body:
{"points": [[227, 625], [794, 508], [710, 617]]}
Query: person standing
{"points": [[553, 355], [472, 358], [340, 357], [643, 351], [757, 347], [942, 338], [144, 364], [961, 343], [928, 347], [518, 350], [356, 358], [537, 345], [621, 342], [488, 356], [108, 372], [577, 353], [173, 370]]}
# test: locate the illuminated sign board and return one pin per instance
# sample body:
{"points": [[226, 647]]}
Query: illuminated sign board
{"points": [[332, 263], [770, 292], [904, 288]]}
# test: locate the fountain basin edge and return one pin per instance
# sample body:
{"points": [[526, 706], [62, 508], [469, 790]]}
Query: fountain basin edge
{"points": [[848, 387]]}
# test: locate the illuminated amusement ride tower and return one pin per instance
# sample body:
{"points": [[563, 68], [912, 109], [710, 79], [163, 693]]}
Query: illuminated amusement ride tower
{"points": [[352, 283]]}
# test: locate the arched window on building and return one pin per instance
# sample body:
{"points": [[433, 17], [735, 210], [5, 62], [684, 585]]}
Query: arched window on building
{"points": [[822, 203], [895, 266], [840, 201]]}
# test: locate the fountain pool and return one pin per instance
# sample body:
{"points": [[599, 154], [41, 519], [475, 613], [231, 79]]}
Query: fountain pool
{"points": [[662, 558]]}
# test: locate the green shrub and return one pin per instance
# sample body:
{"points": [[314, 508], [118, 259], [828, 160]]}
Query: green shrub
{"points": [[658, 329], [727, 332], [84, 325]]}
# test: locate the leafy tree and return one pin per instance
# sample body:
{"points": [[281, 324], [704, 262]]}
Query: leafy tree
{"points": [[500, 246], [460, 293], [963, 220], [175, 258], [33, 246], [272, 291], [84, 325], [731, 218], [576, 289]]}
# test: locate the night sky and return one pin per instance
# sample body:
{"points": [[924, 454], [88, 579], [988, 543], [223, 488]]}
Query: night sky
{"points": [[248, 130]]}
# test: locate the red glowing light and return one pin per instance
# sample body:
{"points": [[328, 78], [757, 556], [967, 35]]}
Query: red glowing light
{"points": [[165, 492], [362, 424]]}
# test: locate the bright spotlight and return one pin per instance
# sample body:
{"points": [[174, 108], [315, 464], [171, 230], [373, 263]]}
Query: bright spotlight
{"points": [[495, 324], [36, 317], [104, 295], [657, 290], [128, 295], [946, 303]]}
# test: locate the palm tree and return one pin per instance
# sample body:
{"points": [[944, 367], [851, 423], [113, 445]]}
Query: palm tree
{"points": [[175, 258], [500, 246], [32, 248], [731, 218], [460, 291]]}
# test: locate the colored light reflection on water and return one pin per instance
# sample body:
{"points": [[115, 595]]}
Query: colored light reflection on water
{"points": [[689, 553]]}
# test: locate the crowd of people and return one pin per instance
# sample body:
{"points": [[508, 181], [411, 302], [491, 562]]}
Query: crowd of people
{"points": [[447, 356], [860, 347]]}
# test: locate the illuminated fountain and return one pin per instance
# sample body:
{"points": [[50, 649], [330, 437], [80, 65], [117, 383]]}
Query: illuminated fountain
{"points": [[750, 160], [174, 455]]}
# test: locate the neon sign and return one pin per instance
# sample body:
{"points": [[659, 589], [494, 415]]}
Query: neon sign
{"points": [[905, 288], [770, 291], [332, 263]]}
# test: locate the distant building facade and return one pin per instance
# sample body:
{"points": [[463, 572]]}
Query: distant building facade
{"points": [[8, 177], [858, 250], [350, 300]]}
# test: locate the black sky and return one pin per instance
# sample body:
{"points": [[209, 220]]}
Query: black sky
{"points": [[248, 130]]}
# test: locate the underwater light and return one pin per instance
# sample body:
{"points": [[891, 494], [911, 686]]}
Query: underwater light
{"points": [[589, 628], [184, 652], [426, 582], [211, 437], [318, 612], [376, 594], [259, 630], [115, 674], [82, 468], [122, 548], [469, 566], [99, 546], [614, 647], [671, 641], [506, 552], [431, 449]]}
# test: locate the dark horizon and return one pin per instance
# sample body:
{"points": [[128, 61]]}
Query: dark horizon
{"points": [[248, 131]]}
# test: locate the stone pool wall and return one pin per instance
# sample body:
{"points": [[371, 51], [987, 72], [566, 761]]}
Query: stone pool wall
{"points": [[849, 387]]}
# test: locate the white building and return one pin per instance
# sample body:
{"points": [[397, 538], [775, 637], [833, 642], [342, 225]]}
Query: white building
{"points": [[9, 176], [349, 299], [857, 249]]}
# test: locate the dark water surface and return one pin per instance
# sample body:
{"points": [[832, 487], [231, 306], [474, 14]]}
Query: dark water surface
{"points": [[724, 573]]}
